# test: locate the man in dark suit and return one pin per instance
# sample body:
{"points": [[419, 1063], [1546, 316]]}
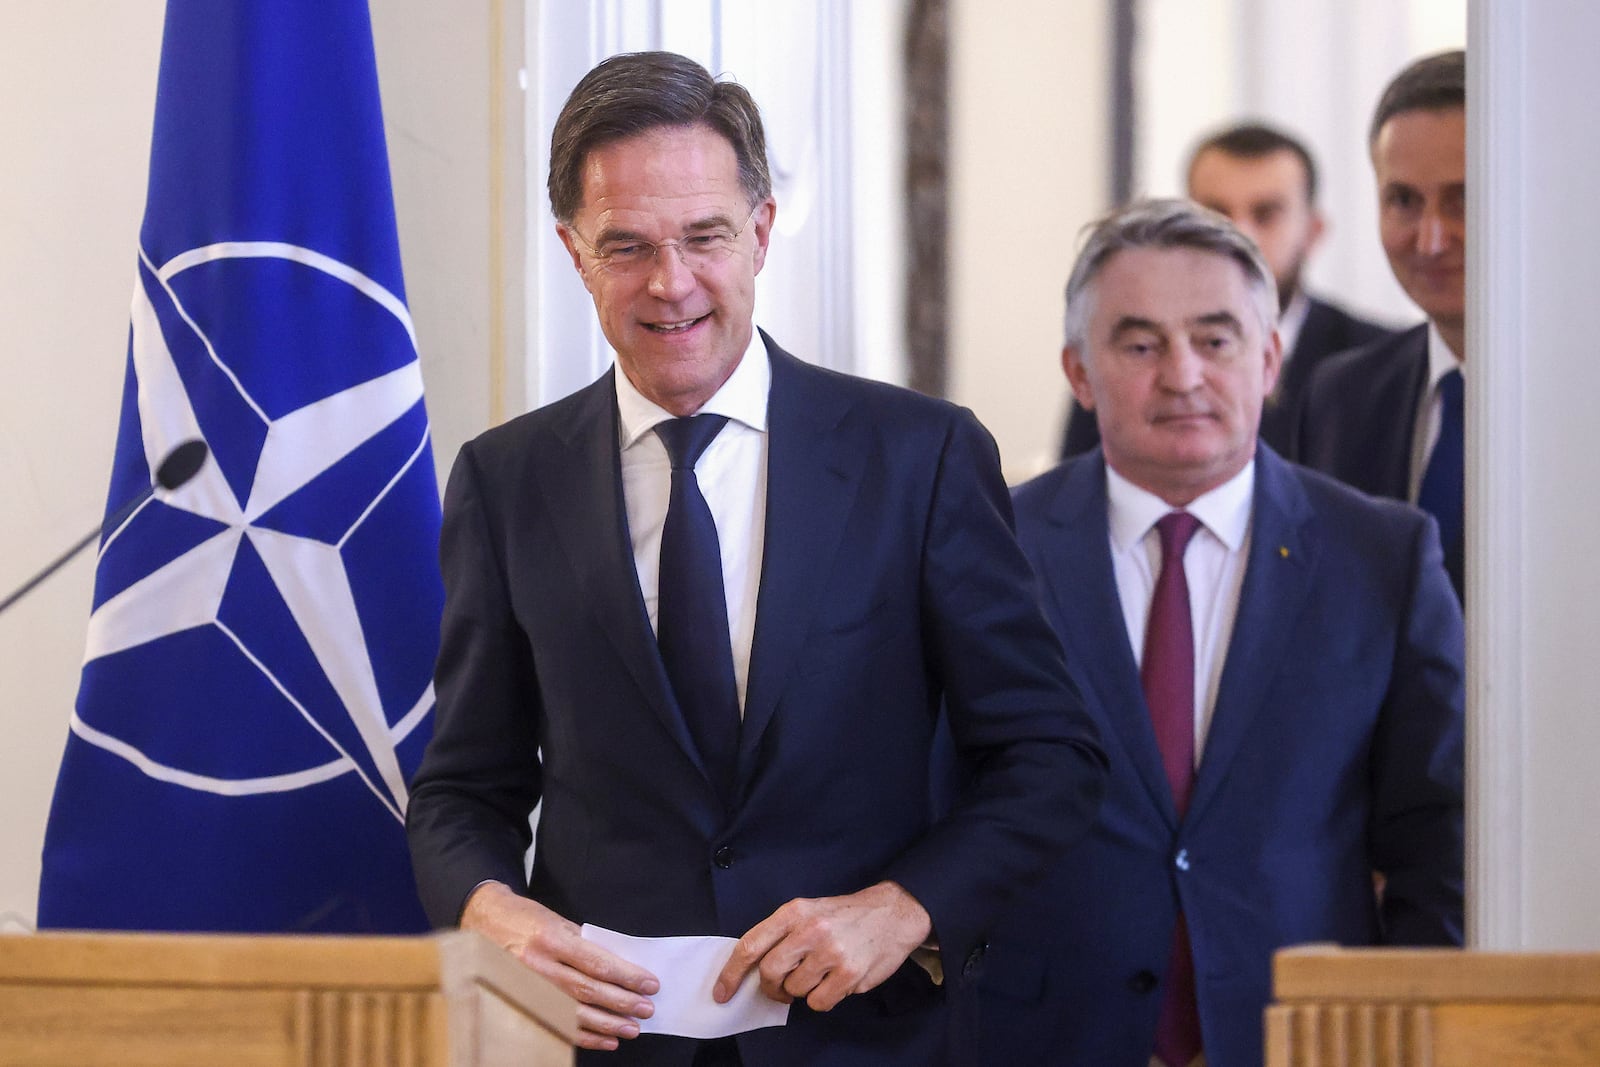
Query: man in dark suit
{"points": [[1388, 418], [1275, 664], [1266, 182], [719, 665]]}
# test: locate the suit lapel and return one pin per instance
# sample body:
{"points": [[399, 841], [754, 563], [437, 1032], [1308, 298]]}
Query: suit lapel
{"points": [[1281, 408], [811, 487], [1391, 399], [581, 478], [1076, 560], [1278, 573], [1311, 344]]}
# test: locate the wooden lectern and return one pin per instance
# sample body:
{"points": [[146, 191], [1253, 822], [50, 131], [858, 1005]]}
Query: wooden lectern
{"points": [[1433, 1008], [449, 1000]]}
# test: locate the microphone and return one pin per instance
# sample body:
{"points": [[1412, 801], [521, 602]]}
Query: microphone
{"points": [[181, 464]]}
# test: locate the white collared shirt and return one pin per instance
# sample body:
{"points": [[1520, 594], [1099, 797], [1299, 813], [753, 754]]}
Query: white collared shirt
{"points": [[1441, 361], [1214, 566], [732, 473]]}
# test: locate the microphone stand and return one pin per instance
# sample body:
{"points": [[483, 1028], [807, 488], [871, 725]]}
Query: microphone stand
{"points": [[181, 464]]}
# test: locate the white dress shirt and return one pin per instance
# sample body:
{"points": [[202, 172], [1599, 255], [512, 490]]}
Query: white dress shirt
{"points": [[732, 472], [1441, 361], [1214, 566]]}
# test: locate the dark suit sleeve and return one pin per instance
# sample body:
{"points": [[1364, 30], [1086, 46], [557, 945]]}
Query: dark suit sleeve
{"points": [[467, 820], [1417, 826], [1018, 722]]}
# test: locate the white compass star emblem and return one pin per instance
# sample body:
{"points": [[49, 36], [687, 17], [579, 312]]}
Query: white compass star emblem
{"points": [[309, 573]]}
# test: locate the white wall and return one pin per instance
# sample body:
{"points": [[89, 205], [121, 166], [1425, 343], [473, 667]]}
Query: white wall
{"points": [[878, 162], [1560, 222], [1028, 134], [1534, 592], [79, 79], [452, 113]]}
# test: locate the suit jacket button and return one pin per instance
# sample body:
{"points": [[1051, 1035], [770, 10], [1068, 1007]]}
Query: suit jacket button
{"points": [[1182, 859], [723, 857], [974, 960], [1142, 982]]}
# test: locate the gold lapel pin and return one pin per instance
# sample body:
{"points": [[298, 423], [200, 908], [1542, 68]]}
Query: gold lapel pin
{"points": [[1283, 550]]}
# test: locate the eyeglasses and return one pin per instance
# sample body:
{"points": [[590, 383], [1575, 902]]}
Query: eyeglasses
{"points": [[630, 257]]}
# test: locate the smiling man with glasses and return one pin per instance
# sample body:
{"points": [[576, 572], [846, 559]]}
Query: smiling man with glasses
{"points": [[708, 611]]}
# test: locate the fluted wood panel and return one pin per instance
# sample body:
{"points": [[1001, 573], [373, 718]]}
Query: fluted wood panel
{"points": [[1433, 1008], [335, 1029], [1353, 1035]]}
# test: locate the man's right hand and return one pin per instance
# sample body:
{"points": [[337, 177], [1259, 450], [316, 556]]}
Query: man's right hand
{"points": [[612, 994]]}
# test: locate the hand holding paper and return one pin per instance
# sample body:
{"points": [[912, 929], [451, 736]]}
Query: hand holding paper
{"points": [[688, 967], [825, 949], [612, 994]]}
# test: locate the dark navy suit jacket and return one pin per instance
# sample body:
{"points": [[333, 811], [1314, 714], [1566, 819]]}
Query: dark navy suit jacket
{"points": [[891, 583], [1335, 750], [1356, 417], [1329, 329]]}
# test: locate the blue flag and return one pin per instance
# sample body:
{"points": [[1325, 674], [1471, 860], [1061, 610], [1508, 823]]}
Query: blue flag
{"points": [[257, 689]]}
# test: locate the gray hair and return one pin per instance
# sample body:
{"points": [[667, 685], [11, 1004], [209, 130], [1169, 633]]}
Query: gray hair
{"points": [[636, 92], [1163, 224]]}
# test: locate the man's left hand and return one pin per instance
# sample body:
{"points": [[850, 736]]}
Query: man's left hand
{"points": [[823, 950]]}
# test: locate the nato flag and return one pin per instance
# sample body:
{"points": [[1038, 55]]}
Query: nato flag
{"points": [[256, 688]]}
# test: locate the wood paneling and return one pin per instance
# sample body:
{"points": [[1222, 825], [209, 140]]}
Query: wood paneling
{"points": [[452, 1000], [1433, 1008]]}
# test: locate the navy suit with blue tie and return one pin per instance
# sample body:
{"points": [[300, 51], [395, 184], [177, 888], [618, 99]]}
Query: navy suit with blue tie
{"points": [[891, 587], [1334, 751]]}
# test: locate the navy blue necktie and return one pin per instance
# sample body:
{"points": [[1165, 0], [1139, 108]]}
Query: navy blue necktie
{"points": [[691, 608], [1441, 493]]}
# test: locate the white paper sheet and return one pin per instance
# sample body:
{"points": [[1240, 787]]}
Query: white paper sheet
{"points": [[688, 967]]}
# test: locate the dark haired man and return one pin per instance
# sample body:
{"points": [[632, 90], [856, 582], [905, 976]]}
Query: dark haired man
{"points": [[1387, 418], [707, 610], [1275, 664], [1265, 182]]}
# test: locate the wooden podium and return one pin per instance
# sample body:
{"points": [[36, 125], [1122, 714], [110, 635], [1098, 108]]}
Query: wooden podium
{"points": [[449, 1000], [1433, 1008]]}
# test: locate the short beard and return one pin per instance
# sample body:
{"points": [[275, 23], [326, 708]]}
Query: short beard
{"points": [[1289, 286]]}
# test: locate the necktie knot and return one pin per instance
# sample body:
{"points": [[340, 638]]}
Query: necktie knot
{"points": [[687, 438], [1175, 528]]}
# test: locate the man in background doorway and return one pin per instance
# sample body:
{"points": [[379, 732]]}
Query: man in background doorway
{"points": [[1388, 418], [1265, 182]]}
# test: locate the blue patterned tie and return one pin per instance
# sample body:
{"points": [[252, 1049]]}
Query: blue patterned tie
{"points": [[692, 609], [1441, 493]]}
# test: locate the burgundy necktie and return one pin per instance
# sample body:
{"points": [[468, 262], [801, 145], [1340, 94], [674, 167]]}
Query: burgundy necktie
{"points": [[1167, 673]]}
